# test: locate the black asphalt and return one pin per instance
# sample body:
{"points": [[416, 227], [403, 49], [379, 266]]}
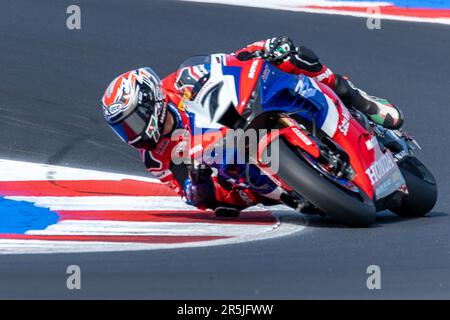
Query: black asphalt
{"points": [[51, 80]]}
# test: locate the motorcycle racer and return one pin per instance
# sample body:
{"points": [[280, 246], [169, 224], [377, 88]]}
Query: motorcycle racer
{"points": [[144, 112]]}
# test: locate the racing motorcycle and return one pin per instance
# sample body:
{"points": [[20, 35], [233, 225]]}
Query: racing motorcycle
{"points": [[332, 159]]}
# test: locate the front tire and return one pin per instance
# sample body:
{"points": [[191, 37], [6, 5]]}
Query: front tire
{"points": [[422, 189], [325, 195]]}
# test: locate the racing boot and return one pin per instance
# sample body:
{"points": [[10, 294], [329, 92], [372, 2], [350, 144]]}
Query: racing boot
{"points": [[377, 109]]}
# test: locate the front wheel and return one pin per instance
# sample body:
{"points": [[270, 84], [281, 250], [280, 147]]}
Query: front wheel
{"points": [[330, 198], [422, 189]]}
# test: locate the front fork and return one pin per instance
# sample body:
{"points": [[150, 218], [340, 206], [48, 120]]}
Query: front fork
{"points": [[297, 136]]}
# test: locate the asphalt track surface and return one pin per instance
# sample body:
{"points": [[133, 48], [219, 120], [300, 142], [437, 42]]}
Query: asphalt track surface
{"points": [[51, 82]]}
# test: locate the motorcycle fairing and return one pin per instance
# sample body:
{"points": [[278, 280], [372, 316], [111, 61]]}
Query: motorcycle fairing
{"points": [[261, 88]]}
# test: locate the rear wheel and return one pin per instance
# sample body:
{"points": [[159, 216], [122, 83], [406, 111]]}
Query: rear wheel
{"points": [[354, 210], [422, 189]]}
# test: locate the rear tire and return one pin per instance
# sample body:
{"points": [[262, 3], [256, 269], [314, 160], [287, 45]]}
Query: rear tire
{"points": [[422, 189], [324, 194]]}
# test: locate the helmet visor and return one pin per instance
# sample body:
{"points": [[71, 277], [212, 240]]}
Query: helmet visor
{"points": [[133, 125]]}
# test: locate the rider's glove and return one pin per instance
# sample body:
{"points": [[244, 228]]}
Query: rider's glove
{"points": [[278, 49], [199, 187]]}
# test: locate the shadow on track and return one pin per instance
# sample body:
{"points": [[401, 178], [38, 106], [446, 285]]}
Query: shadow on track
{"points": [[383, 218]]}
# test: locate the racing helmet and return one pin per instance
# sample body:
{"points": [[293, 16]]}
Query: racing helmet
{"points": [[134, 107]]}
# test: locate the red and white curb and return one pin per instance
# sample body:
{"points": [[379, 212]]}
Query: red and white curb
{"points": [[363, 9], [93, 211]]}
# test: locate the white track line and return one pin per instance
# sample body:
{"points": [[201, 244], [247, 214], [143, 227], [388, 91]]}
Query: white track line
{"points": [[123, 228], [129, 203], [26, 171]]}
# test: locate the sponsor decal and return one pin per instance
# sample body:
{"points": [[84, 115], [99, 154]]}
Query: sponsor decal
{"points": [[245, 197], [265, 73], [345, 122], [252, 72], [400, 155], [205, 90], [160, 174], [370, 144], [299, 86], [384, 187], [392, 182], [152, 130], [302, 137], [114, 109], [161, 147], [324, 75], [380, 168]]}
